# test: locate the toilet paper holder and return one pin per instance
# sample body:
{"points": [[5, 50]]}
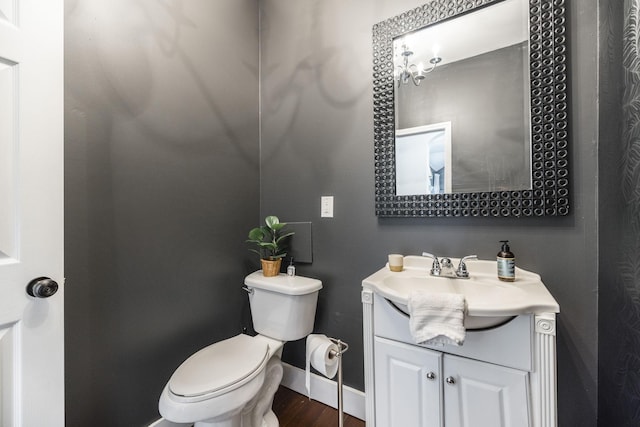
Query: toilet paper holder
{"points": [[342, 349]]}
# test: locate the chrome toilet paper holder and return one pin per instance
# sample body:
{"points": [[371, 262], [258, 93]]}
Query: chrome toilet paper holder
{"points": [[342, 349]]}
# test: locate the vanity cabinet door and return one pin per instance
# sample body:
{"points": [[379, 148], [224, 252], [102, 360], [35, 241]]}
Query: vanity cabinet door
{"points": [[408, 385], [480, 394]]}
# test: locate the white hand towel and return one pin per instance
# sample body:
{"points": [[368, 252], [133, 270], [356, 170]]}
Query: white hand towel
{"points": [[436, 318]]}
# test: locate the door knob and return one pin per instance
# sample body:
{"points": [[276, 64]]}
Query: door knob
{"points": [[431, 376], [42, 287], [450, 381]]}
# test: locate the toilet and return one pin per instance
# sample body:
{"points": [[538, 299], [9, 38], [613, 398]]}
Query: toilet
{"points": [[231, 383]]}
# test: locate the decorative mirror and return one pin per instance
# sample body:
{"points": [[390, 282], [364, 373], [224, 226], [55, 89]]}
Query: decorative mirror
{"points": [[470, 110]]}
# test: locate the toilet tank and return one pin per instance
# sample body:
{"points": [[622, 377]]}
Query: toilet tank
{"points": [[283, 307]]}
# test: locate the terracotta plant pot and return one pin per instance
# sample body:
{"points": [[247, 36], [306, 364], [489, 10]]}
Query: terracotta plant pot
{"points": [[271, 268]]}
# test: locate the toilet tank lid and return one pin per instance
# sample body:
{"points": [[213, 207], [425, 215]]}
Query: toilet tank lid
{"points": [[290, 285]]}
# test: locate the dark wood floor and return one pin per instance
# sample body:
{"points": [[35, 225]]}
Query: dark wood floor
{"points": [[296, 410]]}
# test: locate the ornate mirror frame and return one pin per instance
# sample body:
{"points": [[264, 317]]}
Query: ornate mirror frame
{"points": [[549, 119]]}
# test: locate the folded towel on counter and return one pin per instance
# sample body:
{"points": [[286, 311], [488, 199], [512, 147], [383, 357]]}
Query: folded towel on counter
{"points": [[436, 318]]}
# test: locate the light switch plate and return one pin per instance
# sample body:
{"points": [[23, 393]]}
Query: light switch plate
{"points": [[326, 207]]}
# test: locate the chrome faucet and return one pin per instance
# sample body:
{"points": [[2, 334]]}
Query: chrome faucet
{"points": [[444, 266], [447, 267], [435, 267], [462, 271]]}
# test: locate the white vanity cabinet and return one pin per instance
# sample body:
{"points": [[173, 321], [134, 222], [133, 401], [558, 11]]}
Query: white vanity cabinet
{"points": [[482, 394], [419, 387], [501, 377], [408, 390]]}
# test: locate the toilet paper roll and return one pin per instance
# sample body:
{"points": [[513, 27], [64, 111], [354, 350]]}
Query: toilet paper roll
{"points": [[319, 349]]}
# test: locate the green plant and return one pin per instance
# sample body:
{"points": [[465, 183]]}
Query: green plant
{"points": [[270, 240]]}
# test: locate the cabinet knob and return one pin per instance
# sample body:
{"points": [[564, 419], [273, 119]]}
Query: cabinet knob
{"points": [[431, 376], [450, 380]]}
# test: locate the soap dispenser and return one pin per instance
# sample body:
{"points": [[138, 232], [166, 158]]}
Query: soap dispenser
{"points": [[291, 269], [506, 263]]}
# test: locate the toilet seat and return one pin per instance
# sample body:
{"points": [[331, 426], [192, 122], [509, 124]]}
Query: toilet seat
{"points": [[219, 368]]}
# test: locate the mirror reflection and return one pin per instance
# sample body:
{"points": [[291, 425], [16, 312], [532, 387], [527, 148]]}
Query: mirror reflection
{"points": [[470, 73], [423, 160]]}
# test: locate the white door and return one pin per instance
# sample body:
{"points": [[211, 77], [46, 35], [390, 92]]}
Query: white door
{"points": [[408, 385], [480, 394], [31, 212]]}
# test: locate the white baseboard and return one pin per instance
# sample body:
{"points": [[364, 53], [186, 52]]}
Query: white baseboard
{"points": [[324, 390]]}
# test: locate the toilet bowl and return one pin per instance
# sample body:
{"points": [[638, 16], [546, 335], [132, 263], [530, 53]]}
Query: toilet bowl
{"points": [[217, 383], [231, 383]]}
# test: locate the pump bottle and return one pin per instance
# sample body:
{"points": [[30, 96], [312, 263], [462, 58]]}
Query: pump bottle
{"points": [[291, 269], [506, 263]]}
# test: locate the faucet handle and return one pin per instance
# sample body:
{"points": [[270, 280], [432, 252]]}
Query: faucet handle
{"points": [[469, 257], [435, 267], [462, 271]]}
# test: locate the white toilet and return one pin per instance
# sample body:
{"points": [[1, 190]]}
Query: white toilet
{"points": [[231, 383]]}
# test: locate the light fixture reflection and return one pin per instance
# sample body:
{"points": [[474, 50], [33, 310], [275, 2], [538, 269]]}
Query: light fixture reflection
{"points": [[412, 72]]}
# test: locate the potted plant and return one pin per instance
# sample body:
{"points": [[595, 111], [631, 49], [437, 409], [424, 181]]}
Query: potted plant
{"points": [[271, 244]]}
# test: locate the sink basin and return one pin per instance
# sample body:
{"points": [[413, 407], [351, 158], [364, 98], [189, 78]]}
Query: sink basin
{"points": [[490, 302]]}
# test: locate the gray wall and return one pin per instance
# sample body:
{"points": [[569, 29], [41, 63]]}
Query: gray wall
{"points": [[619, 166], [317, 140], [162, 185]]}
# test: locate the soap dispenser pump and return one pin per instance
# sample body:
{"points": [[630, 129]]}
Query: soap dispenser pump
{"points": [[506, 263]]}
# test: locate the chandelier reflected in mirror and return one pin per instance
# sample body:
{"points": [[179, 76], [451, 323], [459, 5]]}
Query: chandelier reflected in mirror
{"points": [[405, 72]]}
